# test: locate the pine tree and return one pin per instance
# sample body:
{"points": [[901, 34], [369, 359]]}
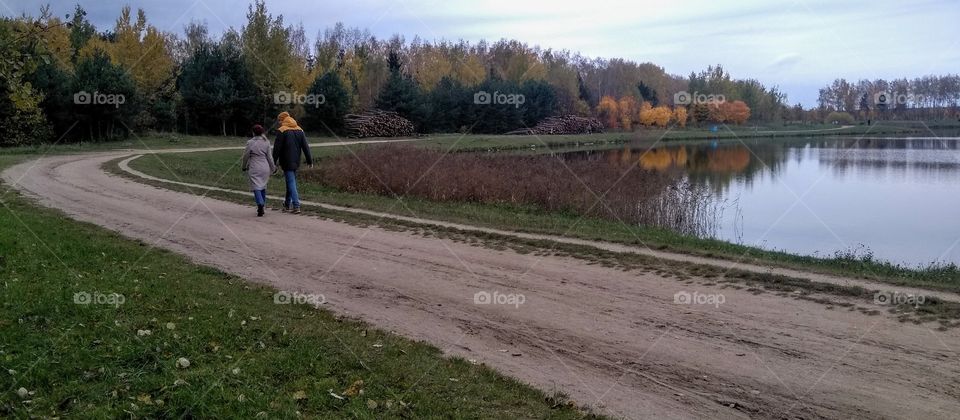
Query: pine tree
{"points": [[328, 117]]}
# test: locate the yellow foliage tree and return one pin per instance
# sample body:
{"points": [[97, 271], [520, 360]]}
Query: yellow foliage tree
{"points": [[57, 39], [661, 116], [144, 52], [680, 116], [646, 114]]}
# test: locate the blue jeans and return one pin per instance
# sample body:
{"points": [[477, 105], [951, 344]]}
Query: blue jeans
{"points": [[291, 197], [260, 196]]}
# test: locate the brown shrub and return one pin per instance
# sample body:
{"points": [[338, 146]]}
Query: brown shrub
{"points": [[548, 182]]}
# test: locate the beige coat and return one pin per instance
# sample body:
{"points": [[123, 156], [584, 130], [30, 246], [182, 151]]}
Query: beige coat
{"points": [[257, 161]]}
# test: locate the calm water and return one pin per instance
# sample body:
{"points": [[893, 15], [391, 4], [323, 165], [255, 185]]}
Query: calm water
{"points": [[896, 198]]}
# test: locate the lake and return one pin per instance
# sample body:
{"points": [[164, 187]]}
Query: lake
{"points": [[897, 198]]}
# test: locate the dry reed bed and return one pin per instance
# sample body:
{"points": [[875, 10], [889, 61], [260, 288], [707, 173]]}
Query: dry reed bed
{"points": [[610, 190]]}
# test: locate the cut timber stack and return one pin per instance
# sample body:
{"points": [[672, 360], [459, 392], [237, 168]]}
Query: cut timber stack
{"points": [[377, 123], [567, 124]]}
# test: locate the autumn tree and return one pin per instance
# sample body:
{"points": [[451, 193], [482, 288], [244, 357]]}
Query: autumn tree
{"points": [[21, 118], [608, 111], [736, 112], [146, 55], [646, 114], [680, 116], [628, 108], [661, 116], [267, 54]]}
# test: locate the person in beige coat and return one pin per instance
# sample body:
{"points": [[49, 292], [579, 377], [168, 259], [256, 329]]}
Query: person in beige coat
{"points": [[257, 162]]}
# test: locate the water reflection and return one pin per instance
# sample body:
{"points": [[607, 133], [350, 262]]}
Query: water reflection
{"points": [[719, 164], [896, 196]]}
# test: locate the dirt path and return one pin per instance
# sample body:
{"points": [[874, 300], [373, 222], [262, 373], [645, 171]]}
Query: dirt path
{"points": [[724, 264], [611, 339]]}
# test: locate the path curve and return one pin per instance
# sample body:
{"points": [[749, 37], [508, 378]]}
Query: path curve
{"points": [[611, 339], [725, 264]]}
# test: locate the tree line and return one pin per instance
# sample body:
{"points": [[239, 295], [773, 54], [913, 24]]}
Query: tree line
{"points": [[63, 77], [932, 97]]}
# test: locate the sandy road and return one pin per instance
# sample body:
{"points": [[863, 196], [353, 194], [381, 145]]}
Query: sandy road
{"points": [[613, 340]]}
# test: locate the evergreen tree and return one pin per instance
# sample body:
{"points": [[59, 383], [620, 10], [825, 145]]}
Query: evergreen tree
{"points": [[648, 94], [106, 97], [81, 30], [216, 85], [402, 95], [328, 117], [450, 106], [540, 101], [494, 117]]}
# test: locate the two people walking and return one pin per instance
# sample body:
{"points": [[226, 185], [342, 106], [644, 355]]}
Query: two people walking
{"points": [[259, 162]]}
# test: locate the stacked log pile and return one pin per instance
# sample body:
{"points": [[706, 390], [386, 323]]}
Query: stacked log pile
{"points": [[567, 124], [377, 123]]}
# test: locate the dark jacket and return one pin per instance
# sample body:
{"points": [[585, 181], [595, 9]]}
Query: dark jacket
{"points": [[287, 148]]}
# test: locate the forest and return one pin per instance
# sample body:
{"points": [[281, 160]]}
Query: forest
{"points": [[66, 80]]}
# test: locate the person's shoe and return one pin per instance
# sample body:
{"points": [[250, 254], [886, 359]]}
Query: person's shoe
{"points": [[296, 210], [259, 211], [285, 209]]}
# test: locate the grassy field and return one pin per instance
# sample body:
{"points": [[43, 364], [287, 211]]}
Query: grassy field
{"points": [[170, 339], [220, 169]]}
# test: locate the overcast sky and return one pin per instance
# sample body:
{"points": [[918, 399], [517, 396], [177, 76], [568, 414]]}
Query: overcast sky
{"points": [[799, 45]]}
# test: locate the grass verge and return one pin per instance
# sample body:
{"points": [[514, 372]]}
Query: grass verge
{"points": [[248, 357]]}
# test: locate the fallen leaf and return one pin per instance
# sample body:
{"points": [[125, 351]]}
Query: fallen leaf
{"points": [[354, 389]]}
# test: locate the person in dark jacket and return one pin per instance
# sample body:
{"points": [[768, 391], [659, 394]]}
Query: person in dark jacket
{"points": [[288, 146]]}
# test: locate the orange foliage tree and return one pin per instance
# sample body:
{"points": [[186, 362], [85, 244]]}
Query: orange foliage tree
{"points": [[737, 112], [608, 111], [628, 112]]}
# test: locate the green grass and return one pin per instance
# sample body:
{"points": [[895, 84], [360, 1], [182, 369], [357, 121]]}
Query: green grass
{"points": [[219, 169], [247, 354]]}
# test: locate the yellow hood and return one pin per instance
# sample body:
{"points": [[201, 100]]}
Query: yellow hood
{"points": [[287, 122]]}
